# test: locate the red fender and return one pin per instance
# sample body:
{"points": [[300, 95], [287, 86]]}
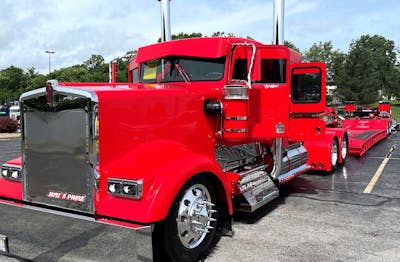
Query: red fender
{"points": [[319, 152], [165, 188], [164, 166]]}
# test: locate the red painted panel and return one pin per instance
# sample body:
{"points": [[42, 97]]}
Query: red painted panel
{"points": [[161, 136], [268, 107], [11, 188]]}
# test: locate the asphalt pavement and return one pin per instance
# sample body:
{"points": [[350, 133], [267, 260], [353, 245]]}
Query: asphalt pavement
{"points": [[318, 217]]}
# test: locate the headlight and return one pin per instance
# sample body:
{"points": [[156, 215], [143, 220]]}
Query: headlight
{"points": [[4, 172], [125, 188], [11, 172]]}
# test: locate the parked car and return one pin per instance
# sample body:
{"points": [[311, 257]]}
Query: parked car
{"points": [[15, 113]]}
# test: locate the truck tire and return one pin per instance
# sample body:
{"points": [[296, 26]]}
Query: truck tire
{"points": [[389, 129], [191, 223], [334, 154], [344, 150]]}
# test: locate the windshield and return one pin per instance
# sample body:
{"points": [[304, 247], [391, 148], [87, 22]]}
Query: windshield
{"points": [[180, 69]]}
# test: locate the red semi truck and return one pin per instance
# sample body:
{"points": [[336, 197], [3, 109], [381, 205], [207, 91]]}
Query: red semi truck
{"points": [[208, 126], [204, 128]]}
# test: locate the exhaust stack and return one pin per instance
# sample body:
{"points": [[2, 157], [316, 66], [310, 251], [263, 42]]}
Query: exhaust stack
{"points": [[112, 71], [278, 23], [165, 21]]}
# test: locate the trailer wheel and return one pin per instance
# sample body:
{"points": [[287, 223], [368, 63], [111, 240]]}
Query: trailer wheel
{"points": [[344, 149], [334, 154], [191, 222]]}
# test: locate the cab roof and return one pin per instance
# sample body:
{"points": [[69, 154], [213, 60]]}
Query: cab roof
{"points": [[208, 47]]}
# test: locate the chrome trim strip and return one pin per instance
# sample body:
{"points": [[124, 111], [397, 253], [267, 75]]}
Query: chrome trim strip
{"points": [[232, 130], [239, 118], [32, 94], [60, 213], [63, 90], [11, 166], [292, 173], [236, 97]]}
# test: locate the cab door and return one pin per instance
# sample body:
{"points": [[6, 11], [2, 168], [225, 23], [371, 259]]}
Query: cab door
{"points": [[307, 100], [307, 87]]}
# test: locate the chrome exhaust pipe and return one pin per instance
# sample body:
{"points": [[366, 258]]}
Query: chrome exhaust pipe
{"points": [[278, 22], [165, 21], [112, 71], [277, 158]]}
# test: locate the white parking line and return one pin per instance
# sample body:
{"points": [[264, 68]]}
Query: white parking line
{"points": [[375, 178], [378, 172]]}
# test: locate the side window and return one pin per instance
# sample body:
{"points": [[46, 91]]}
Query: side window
{"points": [[149, 70], [306, 85], [240, 69], [135, 75], [273, 71]]}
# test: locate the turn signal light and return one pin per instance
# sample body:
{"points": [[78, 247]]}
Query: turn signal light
{"points": [[234, 92]]}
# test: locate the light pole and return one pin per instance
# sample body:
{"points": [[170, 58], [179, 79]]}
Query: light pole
{"points": [[50, 53]]}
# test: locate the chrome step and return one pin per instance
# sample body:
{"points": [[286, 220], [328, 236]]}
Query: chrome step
{"points": [[257, 189]]}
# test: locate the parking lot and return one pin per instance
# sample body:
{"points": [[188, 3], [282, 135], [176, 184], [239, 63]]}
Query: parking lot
{"points": [[319, 217]]}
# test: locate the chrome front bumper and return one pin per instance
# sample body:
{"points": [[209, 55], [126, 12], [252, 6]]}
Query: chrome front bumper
{"points": [[60, 236]]}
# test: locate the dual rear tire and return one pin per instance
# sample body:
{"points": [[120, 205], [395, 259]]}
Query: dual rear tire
{"points": [[338, 155]]}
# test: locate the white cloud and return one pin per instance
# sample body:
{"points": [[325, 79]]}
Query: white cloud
{"points": [[77, 29]]}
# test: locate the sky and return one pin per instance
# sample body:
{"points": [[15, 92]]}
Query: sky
{"points": [[76, 29]]}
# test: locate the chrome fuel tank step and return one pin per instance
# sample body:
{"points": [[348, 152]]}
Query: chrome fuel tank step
{"points": [[294, 162], [257, 189]]}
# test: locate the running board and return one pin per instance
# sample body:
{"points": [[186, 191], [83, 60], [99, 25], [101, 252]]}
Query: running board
{"points": [[257, 189]]}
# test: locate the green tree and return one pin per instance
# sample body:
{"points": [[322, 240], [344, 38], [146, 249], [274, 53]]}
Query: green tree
{"points": [[183, 36], [368, 69], [393, 88], [35, 80], [13, 82], [323, 52], [97, 69], [218, 33], [76, 73], [94, 62], [291, 45]]}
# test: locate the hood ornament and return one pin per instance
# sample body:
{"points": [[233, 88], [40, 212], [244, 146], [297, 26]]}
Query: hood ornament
{"points": [[50, 94]]}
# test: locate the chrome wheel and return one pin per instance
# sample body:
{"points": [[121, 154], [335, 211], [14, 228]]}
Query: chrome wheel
{"points": [[195, 216], [334, 153]]}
